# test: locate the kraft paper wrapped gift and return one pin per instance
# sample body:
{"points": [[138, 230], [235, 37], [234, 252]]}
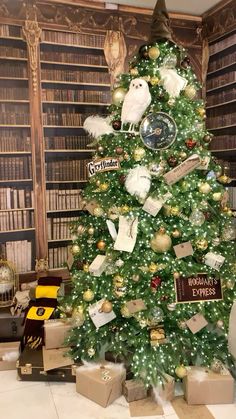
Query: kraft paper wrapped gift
{"points": [[55, 333], [164, 391], [134, 390], [9, 353], [203, 386], [101, 384]]}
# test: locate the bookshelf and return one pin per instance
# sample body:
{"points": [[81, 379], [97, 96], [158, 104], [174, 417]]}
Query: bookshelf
{"points": [[17, 232], [221, 104]]}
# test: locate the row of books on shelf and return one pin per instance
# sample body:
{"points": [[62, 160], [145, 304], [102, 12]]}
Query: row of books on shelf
{"points": [[222, 61], [68, 118], [15, 168], [223, 142], [17, 71], [67, 143], [15, 140], [74, 76], [19, 253], [59, 228], [221, 120], [13, 198], [232, 169], [57, 256], [221, 97], [69, 95], [12, 52], [232, 197], [221, 45], [65, 170], [14, 93], [62, 199], [73, 58], [77, 39], [16, 220], [9, 30], [221, 80]]}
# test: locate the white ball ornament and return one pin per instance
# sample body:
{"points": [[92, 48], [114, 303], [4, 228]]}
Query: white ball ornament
{"points": [[171, 306], [161, 242], [197, 217], [88, 295]]}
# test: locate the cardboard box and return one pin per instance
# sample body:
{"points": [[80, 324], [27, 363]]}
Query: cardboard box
{"points": [[55, 333], [9, 349], [134, 390], [102, 384], [202, 386], [56, 358]]}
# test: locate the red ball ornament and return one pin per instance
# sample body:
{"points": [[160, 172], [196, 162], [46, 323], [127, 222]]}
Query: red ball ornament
{"points": [[172, 161], [190, 143], [116, 125], [155, 283]]}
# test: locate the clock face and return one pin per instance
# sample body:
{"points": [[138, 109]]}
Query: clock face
{"points": [[158, 130]]}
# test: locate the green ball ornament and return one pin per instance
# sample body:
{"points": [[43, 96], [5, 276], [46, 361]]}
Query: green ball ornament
{"points": [[118, 96]]}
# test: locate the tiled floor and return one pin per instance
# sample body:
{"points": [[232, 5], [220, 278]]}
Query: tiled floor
{"points": [[33, 400]]}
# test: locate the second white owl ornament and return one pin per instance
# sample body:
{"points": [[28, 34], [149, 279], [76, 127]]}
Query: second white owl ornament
{"points": [[135, 103]]}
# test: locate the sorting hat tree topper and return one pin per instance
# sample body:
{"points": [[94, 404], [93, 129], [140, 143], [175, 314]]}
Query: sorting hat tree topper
{"points": [[154, 270]]}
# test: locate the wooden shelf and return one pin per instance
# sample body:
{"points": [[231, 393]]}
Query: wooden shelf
{"points": [[75, 83], [64, 210], [222, 69], [221, 104], [14, 126], [64, 126], [69, 151], [15, 38], [221, 128], [13, 58], [60, 240], [223, 49], [66, 181], [221, 87], [18, 153], [73, 64], [75, 103], [17, 209], [71, 45], [14, 101], [17, 231], [14, 78], [16, 181]]}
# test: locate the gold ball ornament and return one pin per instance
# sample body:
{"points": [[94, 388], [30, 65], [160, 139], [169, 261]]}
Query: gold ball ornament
{"points": [[118, 95], [176, 275], [202, 244], [154, 81], [75, 249], [176, 233], [78, 316], [161, 242], [106, 306], [183, 155], [190, 91], [88, 296], [180, 371], [80, 230], [136, 277], [204, 188], [104, 187], [217, 196], [139, 153], [201, 112], [86, 267], [118, 281], [91, 231], [98, 183], [98, 212], [134, 71], [101, 245], [153, 53], [224, 179]]}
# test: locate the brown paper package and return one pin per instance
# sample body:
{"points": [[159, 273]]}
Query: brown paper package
{"points": [[8, 347], [55, 333]]}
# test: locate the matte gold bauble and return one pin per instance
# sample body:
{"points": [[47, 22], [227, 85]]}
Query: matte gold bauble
{"points": [[154, 81], [118, 95], [190, 91], [91, 231], [176, 233], [176, 275], [88, 295], [181, 371], [138, 153], [98, 182], [104, 187], [183, 155], [75, 249], [153, 53], [204, 188], [101, 245], [98, 212], [134, 72], [106, 306], [202, 244], [161, 242], [217, 196]]}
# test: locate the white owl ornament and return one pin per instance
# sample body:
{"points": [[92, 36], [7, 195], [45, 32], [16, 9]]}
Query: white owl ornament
{"points": [[135, 103]]}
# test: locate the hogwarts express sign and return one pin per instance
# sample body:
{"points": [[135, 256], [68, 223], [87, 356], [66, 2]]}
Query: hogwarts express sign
{"points": [[197, 288]]}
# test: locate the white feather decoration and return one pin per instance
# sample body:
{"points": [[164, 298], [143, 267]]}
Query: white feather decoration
{"points": [[138, 182], [173, 83], [157, 391], [11, 356], [96, 365], [97, 126]]}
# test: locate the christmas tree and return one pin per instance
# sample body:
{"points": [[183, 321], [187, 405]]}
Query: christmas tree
{"points": [[154, 259]]}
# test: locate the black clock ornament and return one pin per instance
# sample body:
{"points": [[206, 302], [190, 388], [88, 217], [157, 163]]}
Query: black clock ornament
{"points": [[158, 130]]}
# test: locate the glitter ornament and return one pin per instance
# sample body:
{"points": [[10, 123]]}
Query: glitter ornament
{"points": [[201, 244], [88, 295], [217, 196], [80, 230], [157, 169], [153, 53], [197, 217], [98, 212], [153, 267], [118, 95], [154, 81], [161, 242], [86, 267], [139, 153], [190, 91], [78, 316], [156, 317], [104, 187], [125, 311], [75, 249], [204, 188]]}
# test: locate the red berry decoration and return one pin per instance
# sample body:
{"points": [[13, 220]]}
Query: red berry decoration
{"points": [[190, 143], [172, 161], [116, 125], [155, 282]]}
